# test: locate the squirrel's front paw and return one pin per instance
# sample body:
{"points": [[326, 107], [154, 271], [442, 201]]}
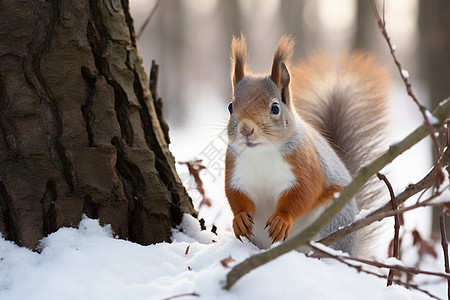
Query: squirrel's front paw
{"points": [[242, 224], [279, 227]]}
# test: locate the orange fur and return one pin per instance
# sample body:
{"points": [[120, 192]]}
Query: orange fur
{"points": [[283, 54], [303, 197], [238, 59], [328, 194]]}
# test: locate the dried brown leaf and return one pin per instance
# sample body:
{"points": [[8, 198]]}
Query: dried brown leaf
{"points": [[226, 261], [194, 167], [409, 277], [425, 247]]}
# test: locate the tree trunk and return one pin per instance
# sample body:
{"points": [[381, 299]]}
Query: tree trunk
{"points": [[367, 35], [294, 23], [79, 131], [434, 26]]}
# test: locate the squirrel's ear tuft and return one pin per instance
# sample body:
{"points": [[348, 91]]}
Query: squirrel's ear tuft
{"points": [[285, 78], [238, 59], [281, 58]]}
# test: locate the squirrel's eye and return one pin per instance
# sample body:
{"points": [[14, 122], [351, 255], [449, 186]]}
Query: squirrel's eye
{"points": [[275, 109], [230, 108]]}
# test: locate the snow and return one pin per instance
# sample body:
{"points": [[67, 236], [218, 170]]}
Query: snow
{"points": [[393, 262], [364, 213], [89, 263], [431, 118], [405, 73]]}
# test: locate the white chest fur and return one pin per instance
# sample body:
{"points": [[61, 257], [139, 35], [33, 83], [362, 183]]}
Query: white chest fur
{"points": [[263, 175]]}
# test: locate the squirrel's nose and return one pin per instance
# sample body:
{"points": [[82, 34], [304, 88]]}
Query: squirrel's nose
{"points": [[247, 132]]}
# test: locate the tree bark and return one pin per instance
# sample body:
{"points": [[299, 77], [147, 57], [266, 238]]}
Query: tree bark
{"points": [[79, 131], [434, 26]]}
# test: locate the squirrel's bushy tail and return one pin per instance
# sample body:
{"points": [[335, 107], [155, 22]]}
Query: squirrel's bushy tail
{"points": [[346, 100]]}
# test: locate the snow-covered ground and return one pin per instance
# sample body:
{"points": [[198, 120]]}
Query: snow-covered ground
{"points": [[89, 263]]}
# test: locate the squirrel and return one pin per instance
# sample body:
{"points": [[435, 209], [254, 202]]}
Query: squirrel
{"points": [[297, 138]]}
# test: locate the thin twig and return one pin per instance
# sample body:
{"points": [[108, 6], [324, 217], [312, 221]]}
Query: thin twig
{"points": [[440, 161], [153, 81], [445, 139], [380, 265], [149, 17], [396, 252], [379, 215], [425, 203], [444, 244], [343, 259], [386, 210], [409, 90]]}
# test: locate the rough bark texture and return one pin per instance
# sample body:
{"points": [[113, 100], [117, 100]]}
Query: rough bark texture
{"points": [[79, 133]]}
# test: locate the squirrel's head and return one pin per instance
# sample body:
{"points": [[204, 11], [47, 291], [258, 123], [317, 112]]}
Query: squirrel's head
{"points": [[261, 110]]}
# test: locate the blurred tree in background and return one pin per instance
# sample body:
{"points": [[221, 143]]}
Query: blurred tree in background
{"points": [[434, 24]]}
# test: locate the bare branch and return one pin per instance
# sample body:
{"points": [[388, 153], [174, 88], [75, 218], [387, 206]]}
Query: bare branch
{"points": [[380, 265], [342, 259], [149, 17], [444, 244], [405, 77], [396, 252], [386, 210]]}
